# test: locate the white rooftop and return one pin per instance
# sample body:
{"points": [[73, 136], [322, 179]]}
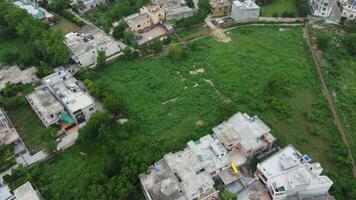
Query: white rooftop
{"points": [[190, 173], [15, 75], [241, 127], [248, 4], [65, 87], [210, 152], [26, 192]]}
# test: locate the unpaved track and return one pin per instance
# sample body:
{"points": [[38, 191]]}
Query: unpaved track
{"points": [[328, 97]]}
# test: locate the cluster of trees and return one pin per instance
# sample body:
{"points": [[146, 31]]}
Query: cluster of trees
{"points": [[72, 18], [302, 7], [47, 45]]}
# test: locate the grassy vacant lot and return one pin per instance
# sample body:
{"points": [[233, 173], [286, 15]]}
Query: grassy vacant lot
{"points": [[30, 128], [167, 98], [278, 6], [65, 26]]}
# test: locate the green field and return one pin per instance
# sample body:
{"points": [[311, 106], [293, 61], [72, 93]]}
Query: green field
{"points": [[65, 26], [167, 100], [278, 6]]}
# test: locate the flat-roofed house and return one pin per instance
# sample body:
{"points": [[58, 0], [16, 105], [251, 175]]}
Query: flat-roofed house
{"points": [[249, 135], [138, 22], [288, 173], [85, 45], [35, 11], [175, 9], [13, 74], [26, 192], [349, 9], [178, 176], [321, 8], [45, 105], [78, 103], [245, 11], [8, 133], [156, 13]]}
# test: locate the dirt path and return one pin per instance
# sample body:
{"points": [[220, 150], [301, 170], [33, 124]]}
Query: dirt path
{"points": [[328, 96]]}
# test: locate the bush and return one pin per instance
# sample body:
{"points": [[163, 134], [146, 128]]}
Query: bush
{"points": [[302, 7], [350, 43], [275, 14], [322, 40], [288, 14], [101, 59], [120, 29], [72, 18], [155, 45], [175, 52]]}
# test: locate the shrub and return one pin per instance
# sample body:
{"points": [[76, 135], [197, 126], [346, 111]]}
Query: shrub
{"points": [[101, 59], [302, 8], [175, 52], [155, 45], [275, 14], [322, 40]]}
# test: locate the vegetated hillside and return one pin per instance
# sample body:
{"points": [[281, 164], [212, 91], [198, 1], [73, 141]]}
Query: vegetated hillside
{"points": [[264, 70]]}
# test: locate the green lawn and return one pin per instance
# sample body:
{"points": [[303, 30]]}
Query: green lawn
{"points": [[30, 128], [278, 6], [65, 26], [167, 101]]}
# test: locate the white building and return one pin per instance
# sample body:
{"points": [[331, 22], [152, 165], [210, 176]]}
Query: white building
{"points": [[33, 10], [45, 105], [8, 133], [85, 5], [349, 9], [178, 176], [175, 9], [248, 135], [26, 192], [13, 74], [85, 45], [321, 8], [288, 173], [245, 11], [79, 104]]}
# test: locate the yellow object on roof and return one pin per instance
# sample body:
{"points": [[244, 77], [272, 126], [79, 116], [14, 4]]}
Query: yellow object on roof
{"points": [[233, 166]]}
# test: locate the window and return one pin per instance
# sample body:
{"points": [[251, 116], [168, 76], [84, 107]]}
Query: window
{"points": [[138, 26], [91, 109]]}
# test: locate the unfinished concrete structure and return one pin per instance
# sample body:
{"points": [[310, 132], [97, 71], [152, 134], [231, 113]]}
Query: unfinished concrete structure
{"points": [[78, 103], [175, 9], [245, 11], [289, 174], [220, 8], [249, 135], [178, 176], [8, 133], [13, 74], [85, 45], [45, 105]]}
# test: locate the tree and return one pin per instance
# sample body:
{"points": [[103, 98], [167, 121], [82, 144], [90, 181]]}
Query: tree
{"points": [[53, 49], [175, 52], [350, 43], [190, 3], [101, 58], [90, 131], [129, 54], [113, 104], [350, 26], [227, 195], [155, 45], [204, 6], [322, 40], [120, 29], [275, 14], [59, 5], [10, 56], [129, 38]]}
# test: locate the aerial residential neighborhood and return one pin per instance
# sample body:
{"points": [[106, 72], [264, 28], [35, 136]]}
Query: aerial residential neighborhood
{"points": [[178, 99]]}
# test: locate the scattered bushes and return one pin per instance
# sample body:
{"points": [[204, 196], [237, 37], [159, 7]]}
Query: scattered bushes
{"points": [[72, 18]]}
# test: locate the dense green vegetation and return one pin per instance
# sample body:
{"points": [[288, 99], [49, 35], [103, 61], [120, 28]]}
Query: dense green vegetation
{"points": [[32, 132], [104, 15], [264, 70], [45, 47], [340, 70], [278, 6]]}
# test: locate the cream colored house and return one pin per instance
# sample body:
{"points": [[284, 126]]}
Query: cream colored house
{"points": [[138, 22], [156, 13]]}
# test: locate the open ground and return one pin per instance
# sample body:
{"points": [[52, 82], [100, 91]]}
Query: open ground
{"points": [[176, 101]]}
